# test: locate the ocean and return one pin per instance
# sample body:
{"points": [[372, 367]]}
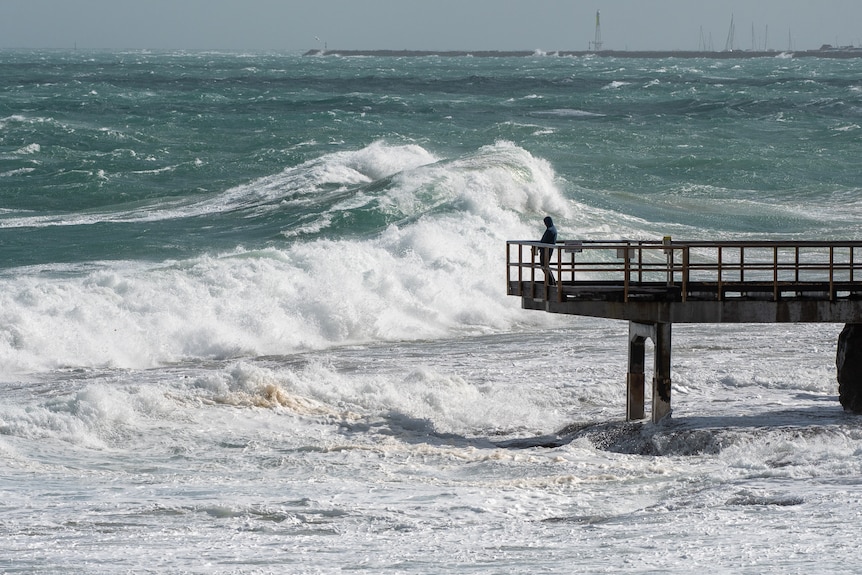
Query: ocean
{"points": [[253, 315]]}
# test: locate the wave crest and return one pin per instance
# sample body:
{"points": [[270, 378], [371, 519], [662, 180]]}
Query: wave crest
{"points": [[427, 266]]}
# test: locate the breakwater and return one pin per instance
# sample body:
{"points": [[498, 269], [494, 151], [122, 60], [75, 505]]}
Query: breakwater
{"points": [[846, 53]]}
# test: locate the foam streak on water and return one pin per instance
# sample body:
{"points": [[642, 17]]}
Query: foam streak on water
{"points": [[253, 316]]}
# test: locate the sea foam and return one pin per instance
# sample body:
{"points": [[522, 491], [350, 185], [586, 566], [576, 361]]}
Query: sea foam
{"points": [[433, 272]]}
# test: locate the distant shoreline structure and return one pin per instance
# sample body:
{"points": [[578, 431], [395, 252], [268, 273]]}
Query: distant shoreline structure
{"points": [[728, 54]]}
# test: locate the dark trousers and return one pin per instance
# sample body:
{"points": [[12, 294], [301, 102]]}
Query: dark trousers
{"points": [[544, 259]]}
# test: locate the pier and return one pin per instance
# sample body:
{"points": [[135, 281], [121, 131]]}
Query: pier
{"points": [[653, 284]]}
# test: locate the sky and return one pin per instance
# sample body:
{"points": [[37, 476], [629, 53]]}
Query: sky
{"points": [[546, 25]]}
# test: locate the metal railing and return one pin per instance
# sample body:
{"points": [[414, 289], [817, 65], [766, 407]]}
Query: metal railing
{"points": [[716, 270]]}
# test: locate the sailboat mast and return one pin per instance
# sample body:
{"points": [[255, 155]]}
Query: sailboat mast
{"points": [[728, 46]]}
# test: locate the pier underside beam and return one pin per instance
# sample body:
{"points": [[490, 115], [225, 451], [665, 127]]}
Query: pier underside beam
{"points": [[660, 334]]}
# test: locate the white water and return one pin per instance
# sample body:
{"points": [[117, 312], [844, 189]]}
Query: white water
{"points": [[426, 456], [378, 403], [431, 275]]}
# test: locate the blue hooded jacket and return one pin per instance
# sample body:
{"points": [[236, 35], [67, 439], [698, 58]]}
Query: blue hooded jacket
{"points": [[550, 235]]}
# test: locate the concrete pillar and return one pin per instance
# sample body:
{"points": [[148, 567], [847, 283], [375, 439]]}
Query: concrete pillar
{"points": [[661, 379], [635, 377], [660, 334], [848, 361]]}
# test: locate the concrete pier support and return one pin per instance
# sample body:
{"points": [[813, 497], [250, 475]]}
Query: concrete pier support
{"points": [[848, 361], [660, 334], [701, 282]]}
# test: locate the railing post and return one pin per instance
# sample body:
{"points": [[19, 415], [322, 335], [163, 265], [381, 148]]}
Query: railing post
{"points": [[509, 268], [668, 251], [775, 273], [560, 274], [640, 261], [532, 272], [520, 269], [627, 271], [685, 272], [797, 264], [546, 285]]}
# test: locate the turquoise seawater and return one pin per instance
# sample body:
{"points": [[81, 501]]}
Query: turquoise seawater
{"points": [[171, 155], [253, 315]]}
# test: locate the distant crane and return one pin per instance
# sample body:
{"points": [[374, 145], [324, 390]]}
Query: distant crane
{"points": [[597, 43]]}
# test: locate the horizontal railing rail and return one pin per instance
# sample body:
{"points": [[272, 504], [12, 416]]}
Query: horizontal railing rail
{"points": [[685, 270]]}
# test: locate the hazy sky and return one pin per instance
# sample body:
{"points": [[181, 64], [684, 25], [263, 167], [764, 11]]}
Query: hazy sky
{"points": [[427, 24]]}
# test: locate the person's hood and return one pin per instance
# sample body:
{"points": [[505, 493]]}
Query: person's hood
{"points": [[548, 221]]}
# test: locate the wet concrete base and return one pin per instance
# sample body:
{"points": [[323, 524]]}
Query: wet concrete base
{"points": [[848, 361]]}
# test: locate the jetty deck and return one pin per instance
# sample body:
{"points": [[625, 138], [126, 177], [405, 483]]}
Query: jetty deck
{"points": [[655, 283]]}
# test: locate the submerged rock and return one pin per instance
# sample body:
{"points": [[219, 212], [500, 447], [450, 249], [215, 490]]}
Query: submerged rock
{"points": [[638, 438], [848, 360]]}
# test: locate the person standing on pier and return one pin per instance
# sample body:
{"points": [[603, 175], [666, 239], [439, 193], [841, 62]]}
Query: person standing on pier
{"points": [[549, 237]]}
